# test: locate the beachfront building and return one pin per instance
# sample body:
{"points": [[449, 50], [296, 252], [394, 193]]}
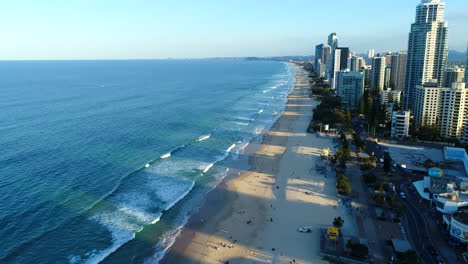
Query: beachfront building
{"points": [[398, 66], [453, 107], [427, 49], [453, 75], [349, 88], [400, 124], [426, 107], [447, 189], [377, 80], [389, 95]]}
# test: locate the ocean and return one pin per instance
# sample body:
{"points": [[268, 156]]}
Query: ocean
{"points": [[103, 161]]}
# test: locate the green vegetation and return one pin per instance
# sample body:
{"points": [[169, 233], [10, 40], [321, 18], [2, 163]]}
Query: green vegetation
{"points": [[375, 113], [328, 111], [369, 163], [338, 222], [342, 184], [429, 133], [358, 142]]}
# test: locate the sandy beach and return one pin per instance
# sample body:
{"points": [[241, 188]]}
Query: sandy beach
{"points": [[254, 216]]}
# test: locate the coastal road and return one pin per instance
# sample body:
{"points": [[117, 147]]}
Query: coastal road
{"points": [[417, 227]]}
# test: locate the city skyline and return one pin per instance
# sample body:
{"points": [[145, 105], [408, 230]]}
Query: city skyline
{"points": [[142, 30]]}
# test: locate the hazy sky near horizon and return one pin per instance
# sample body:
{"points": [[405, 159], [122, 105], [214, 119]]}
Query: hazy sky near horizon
{"points": [[145, 29]]}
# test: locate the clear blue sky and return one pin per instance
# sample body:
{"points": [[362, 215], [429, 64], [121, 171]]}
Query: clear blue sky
{"points": [[123, 29]]}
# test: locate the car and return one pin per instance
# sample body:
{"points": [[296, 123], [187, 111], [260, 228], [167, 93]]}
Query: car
{"points": [[402, 195], [305, 229]]}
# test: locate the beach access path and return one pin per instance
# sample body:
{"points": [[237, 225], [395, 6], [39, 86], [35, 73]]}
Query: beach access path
{"points": [[254, 217]]}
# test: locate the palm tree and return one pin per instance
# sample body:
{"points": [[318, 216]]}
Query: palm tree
{"points": [[338, 222]]}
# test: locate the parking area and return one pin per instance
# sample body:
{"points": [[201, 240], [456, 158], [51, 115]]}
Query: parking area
{"points": [[413, 156]]}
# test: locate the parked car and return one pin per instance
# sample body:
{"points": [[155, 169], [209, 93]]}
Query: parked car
{"points": [[305, 229]]}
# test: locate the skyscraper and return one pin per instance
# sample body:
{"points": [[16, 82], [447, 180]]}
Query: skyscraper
{"points": [[339, 62], [331, 61], [333, 41], [427, 48], [344, 56], [326, 52], [397, 79], [318, 58], [388, 75], [377, 80], [370, 53], [356, 63], [333, 66]]}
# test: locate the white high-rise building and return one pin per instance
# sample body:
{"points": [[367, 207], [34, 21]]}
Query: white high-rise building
{"points": [[370, 53], [426, 104], [427, 49], [335, 64], [377, 80], [349, 88], [400, 124], [453, 106], [389, 95]]}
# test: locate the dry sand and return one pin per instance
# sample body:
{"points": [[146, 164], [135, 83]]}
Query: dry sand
{"points": [[287, 186]]}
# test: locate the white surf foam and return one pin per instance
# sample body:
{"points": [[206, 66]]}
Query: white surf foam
{"points": [[202, 138], [165, 156]]}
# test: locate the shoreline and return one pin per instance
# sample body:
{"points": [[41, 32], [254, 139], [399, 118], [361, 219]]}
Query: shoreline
{"points": [[243, 219]]}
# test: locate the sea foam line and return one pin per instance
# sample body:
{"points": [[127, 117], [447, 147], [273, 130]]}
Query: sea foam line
{"points": [[203, 138]]}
